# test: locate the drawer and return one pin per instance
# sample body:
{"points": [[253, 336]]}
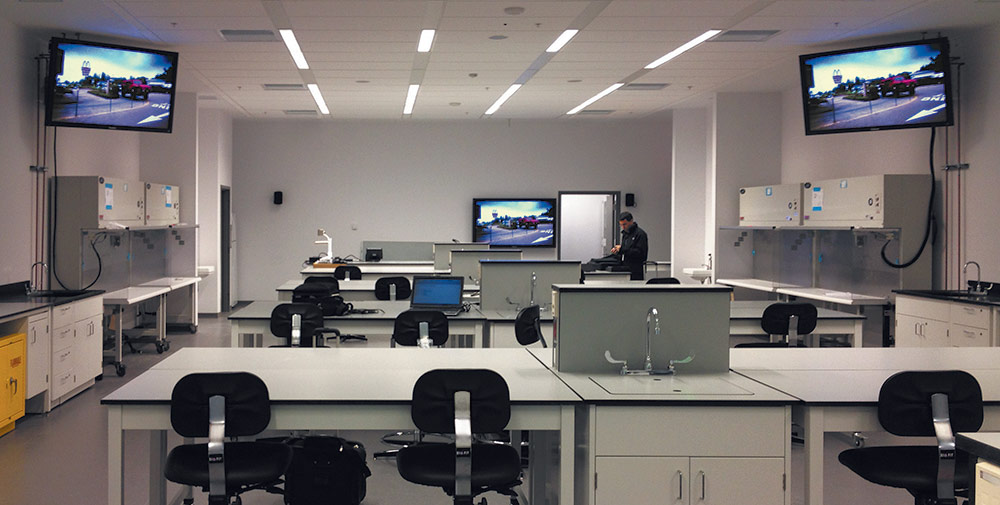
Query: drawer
{"points": [[968, 336], [63, 315], [923, 307], [62, 361], [38, 318], [62, 338], [691, 431], [62, 383], [88, 307], [967, 314]]}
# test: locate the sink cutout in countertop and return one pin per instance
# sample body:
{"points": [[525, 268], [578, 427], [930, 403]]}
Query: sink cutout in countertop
{"points": [[668, 385]]}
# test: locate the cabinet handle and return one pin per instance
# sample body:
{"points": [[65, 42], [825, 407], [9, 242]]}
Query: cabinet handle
{"points": [[14, 382], [33, 331], [969, 310], [680, 485], [701, 474], [916, 329]]}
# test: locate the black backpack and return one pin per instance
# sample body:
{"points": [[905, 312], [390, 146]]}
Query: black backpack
{"points": [[326, 470]]}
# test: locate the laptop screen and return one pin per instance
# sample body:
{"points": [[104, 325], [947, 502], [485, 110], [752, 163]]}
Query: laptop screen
{"points": [[437, 291]]}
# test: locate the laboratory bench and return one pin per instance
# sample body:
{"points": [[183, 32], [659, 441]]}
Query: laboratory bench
{"points": [[946, 318]]}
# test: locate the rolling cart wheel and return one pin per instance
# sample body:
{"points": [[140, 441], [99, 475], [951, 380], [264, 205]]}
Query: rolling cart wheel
{"points": [[166, 345], [99, 377], [160, 348], [192, 329], [120, 369]]}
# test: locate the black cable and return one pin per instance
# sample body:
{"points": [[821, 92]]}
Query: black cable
{"points": [[100, 265], [930, 217], [55, 200]]}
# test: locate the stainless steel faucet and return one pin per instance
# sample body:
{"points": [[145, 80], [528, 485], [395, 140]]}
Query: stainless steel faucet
{"points": [[31, 280], [977, 289], [653, 315]]}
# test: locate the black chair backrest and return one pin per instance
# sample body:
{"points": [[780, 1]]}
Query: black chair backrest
{"points": [[663, 280], [406, 329], [313, 292], [248, 406], [527, 326], [347, 272], [402, 288], [774, 321], [433, 406], [324, 279], [312, 320], [904, 402]]}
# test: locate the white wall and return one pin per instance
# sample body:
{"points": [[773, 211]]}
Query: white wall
{"points": [[747, 152], [415, 181], [906, 151], [173, 158], [17, 144], [215, 135], [689, 188]]}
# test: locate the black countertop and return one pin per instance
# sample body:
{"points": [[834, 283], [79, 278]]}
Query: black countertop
{"points": [[953, 295], [15, 301]]}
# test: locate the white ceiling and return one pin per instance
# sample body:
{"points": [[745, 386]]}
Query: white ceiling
{"points": [[375, 41]]}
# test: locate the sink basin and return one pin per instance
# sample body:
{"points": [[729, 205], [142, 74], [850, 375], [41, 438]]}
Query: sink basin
{"points": [[698, 274], [48, 293]]}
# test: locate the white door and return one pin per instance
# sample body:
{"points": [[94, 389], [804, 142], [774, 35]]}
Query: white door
{"points": [[586, 225]]}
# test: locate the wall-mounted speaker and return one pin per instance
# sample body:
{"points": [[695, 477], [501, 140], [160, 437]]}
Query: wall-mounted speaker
{"points": [[278, 197], [630, 199]]}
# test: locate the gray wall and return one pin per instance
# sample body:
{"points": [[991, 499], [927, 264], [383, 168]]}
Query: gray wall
{"points": [[416, 181]]}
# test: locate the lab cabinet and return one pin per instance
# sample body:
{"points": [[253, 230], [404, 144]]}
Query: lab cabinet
{"points": [[689, 455], [927, 322], [776, 205], [12, 380], [162, 204], [77, 349], [92, 201], [876, 201], [39, 349]]}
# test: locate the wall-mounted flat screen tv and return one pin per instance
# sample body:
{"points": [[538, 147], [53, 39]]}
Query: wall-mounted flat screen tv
{"points": [[903, 85], [514, 222], [96, 85]]}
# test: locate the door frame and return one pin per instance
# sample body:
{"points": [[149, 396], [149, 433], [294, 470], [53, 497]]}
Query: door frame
{"points": [[225, 241], [616, 201]]}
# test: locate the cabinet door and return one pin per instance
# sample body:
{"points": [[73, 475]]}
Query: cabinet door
{"points": [[737, 481], [39, 354], [914, 331], [89, 352], [12, 374], [642, 480]]}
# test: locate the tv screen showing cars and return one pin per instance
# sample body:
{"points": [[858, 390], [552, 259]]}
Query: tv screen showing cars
{"points": [[897, 86], [514, 222], [105, 86]]}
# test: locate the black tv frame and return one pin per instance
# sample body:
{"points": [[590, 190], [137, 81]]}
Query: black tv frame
{"points": [[555, 221], [54, 70], [805, 80]]}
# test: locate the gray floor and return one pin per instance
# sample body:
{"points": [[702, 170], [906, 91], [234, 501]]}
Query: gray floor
{"points": [[61, 457]]}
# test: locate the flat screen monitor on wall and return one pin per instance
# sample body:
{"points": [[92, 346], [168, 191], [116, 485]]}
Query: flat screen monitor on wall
{"points": [[96, 85], [514, 222], [903, 85]]}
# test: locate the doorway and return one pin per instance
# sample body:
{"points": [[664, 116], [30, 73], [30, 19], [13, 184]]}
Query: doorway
{"points": [[587, 224], [226, 248]]}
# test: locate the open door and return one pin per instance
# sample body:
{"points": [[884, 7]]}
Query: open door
{"points": [[587, 224], [226, 243]]}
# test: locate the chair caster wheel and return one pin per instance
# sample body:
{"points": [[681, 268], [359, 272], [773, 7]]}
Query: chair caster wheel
{"points": [[120, 369]]}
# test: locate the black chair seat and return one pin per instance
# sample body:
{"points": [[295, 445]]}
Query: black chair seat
{"points": [[246, 463], [434, 464], [910, 467]]}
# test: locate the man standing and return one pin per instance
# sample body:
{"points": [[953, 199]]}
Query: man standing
{"points": [[634, 247]]}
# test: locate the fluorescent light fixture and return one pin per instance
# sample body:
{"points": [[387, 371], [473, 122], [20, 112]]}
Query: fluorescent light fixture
{"points": [[293, 48], [503, 98], [562, 40], [596, 97], [411, 98], [677, 52], [314, 89], [426, 39]]}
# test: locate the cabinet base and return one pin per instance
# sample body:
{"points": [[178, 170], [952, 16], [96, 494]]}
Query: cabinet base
{"points": [[9, 427]]}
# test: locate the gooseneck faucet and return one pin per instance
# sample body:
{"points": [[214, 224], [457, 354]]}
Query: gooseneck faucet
{"points": [[978, 275], [31, 281], [653, 315]]}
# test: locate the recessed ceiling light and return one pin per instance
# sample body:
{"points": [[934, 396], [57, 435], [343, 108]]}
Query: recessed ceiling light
{"points": [[596, 97], [318, 97], [561, 41], [426, 39], [687, 45], [514, 11], [503, 98], [411, 98], [497, 37], [293, 49]]}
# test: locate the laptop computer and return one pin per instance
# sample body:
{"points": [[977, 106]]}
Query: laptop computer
{"points": [[442, 293]]}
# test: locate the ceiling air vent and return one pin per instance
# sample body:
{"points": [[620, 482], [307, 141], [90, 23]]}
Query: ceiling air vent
{"points": [[283, 87], [594, 112], [643, 86], [299, 112], [248, 35], [744, 36]]}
